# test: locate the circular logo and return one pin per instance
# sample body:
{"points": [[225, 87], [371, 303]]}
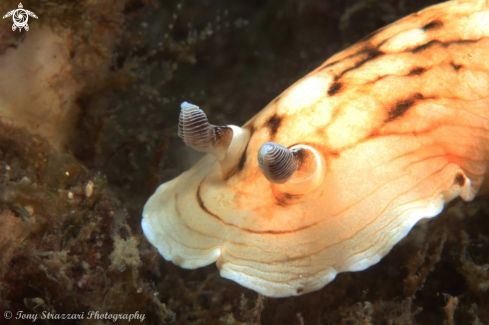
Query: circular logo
{"points": [[7, 314], [20, 17]]}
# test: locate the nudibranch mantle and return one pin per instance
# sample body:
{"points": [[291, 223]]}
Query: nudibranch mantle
{"points": [[400, 123]]}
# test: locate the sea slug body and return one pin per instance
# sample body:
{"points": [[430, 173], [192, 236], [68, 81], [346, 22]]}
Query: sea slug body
{"points": [[379, 137]]}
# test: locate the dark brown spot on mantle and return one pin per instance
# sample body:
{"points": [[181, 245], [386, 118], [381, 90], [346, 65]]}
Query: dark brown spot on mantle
{"points": [[335, 88], [273, 123], [456, 67], [460, 180], [416, 71], [285, 199], [402, 106], [435, 24]]}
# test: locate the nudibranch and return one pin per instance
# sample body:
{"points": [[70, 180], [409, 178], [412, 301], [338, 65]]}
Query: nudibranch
{"points": [[339, 167]]}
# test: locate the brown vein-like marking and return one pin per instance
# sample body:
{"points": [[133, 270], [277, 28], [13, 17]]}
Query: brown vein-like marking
{"points": [[414, 72], [402, 106], [426, 46], [368, 49], [239, 166], [337, 85], [264, 232], [242, 160], [372, 53], [437, 42], [435, 24]]}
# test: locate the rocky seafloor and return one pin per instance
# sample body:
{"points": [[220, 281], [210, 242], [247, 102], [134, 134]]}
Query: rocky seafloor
{"points": [[71, 200]]}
